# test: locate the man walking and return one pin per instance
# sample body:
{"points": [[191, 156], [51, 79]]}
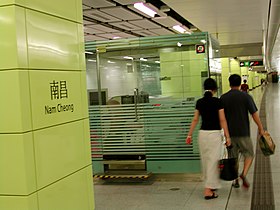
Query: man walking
{"points": [[237, 106]]}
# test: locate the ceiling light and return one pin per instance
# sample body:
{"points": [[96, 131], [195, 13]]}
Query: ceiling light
{"points": [[157, 61], [128, 57], [182, 29], [179, 44], [90, 60], [179, 29], [143, 59], [111, 62], [116, 37], [145, 9], [87, 52]]}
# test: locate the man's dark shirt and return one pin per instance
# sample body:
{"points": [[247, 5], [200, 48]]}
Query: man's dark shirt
{"points": [[237, 106]]}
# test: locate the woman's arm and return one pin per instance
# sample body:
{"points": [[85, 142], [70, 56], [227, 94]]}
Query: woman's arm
{"points": [[193, 125], [223, 123]]}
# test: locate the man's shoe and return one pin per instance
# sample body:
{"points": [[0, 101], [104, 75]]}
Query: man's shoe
{"points": [[235, 183], [245, 182]]}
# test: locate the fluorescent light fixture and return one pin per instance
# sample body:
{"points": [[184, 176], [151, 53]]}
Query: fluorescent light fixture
{"points": [[179, 29], [128, 57], [143, 59], [157, 61], [90, 60], [203, 41], [143, 8], [116, 37], [87, 52], [216, 50], [179, 44], [111, 62]]}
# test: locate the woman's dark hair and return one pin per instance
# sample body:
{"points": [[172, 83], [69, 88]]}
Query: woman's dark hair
{"points": [[209, 84], [234, 80]]}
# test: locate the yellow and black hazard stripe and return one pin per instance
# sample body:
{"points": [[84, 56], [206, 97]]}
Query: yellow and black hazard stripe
{"points": [[121, 176]]}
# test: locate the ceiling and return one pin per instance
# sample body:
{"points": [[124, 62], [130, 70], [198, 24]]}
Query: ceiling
{"points": [[241, 26]]}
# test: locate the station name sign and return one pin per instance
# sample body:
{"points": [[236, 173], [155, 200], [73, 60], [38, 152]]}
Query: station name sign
{"points": [[59, 92]]}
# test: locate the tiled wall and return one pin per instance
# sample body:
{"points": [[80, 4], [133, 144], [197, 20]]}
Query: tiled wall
{"points": [[44, 132]]}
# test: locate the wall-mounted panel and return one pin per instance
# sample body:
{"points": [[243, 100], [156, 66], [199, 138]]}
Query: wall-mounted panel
{"points": [[15, 105], [72, 193], [19, 202], [171, 68], [171, 56], [13, 53], [53, 43], [194, 67], [53, 7], [81, 41], [59, 151], [84, 95], [56, 97], [16, 150]]}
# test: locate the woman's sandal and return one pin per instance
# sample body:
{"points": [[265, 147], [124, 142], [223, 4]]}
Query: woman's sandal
{"points": [[208, 197]]}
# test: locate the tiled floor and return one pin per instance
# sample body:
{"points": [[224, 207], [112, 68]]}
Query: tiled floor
{"points": [[185, 191]]}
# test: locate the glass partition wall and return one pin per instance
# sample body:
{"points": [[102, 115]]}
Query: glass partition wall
{"points": [[142, 95]]}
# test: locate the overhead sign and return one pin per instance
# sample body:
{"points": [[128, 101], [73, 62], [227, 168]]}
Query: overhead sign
{"points": [[200, 48], [250, 63]]}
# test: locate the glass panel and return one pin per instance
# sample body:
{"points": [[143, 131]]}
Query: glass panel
{"points": [[160, 67], [167, 72]]}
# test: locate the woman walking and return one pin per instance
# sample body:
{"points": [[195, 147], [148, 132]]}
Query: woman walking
{"points": [[210, 139]]}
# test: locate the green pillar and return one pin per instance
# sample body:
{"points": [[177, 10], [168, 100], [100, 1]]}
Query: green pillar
{"points": [[251, 79], [225, 74], [44, 131], [235, 67]]}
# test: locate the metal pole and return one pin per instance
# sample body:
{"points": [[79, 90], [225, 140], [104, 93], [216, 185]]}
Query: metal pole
{"points": [[136, 102], [98, 73]]}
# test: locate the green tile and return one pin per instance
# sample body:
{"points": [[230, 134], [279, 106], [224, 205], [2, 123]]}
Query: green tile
{"points": [[53, 43], [87, 144], [170, 56], [197, 56], [81, 47], [84, 95], [15, 110], [171, 68], [194, 67], [47, 110], [17, 165], [79, 9], [59, 151], [195, 83], [173, 85], [13, 53], [186, 55], [72, 193], [53, 7], [19, 202], [225, 62]]}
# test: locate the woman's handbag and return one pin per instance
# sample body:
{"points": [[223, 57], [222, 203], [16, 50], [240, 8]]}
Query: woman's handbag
{"points": [[266, 144], [228, 165]]}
